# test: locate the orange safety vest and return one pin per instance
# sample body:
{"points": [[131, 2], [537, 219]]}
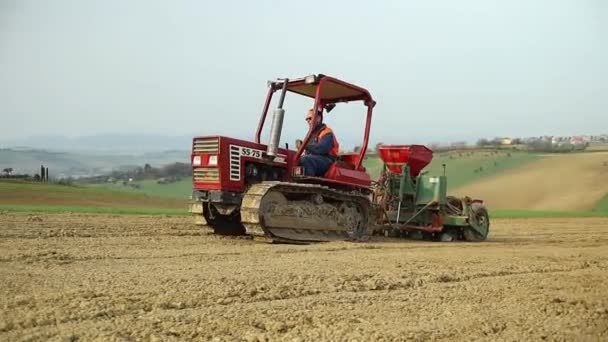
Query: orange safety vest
{"points": [[334, 151]]}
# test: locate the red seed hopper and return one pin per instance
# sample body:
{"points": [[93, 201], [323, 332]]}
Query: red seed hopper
{"points": [[395, 156]]}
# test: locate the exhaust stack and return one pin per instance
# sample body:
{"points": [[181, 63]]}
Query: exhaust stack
{"points": [[277, 124]]}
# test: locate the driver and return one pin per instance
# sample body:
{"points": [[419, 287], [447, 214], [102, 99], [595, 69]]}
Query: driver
{"points": [[322, 150]]}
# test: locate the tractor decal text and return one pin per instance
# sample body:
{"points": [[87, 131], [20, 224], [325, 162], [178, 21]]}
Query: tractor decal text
{"points": [[237, 152]]}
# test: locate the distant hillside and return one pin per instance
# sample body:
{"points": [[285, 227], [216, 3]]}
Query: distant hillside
{"points": [[557, 182], [123, 143], [181, 189], [78, 164]]}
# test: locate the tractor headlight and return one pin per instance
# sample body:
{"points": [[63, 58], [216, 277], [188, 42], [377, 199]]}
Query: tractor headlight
{"points": [[213, 161], [196, 161]]}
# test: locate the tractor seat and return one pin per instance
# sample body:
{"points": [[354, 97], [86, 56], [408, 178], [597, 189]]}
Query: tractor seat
{"points": [[344, 164], [347, 160], [343, 170]]}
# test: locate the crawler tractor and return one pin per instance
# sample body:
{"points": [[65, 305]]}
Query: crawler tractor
{"points": [[248, 187]]}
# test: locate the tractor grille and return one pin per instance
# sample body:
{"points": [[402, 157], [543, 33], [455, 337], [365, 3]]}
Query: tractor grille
{"points": [[206, 175], [206, 145]]}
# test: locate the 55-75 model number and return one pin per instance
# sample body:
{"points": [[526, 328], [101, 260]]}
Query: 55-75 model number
{"points": [[255, 153], [251, 152]]}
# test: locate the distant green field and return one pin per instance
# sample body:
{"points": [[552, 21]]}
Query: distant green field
{"points": [[93, 210], [602, 205], [20, 186], [517, 213], [16, 193], [461, 167], [181, 189], [496, 214], [597, 147]]}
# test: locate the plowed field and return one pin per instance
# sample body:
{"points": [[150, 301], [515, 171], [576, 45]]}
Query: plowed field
{"points": [[103, 277]]}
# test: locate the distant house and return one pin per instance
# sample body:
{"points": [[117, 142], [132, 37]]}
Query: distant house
{"points": [[578, 140], [555, 140], [506, 141]]}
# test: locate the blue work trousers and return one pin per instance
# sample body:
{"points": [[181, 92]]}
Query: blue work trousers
{"points": [[315, 165]]}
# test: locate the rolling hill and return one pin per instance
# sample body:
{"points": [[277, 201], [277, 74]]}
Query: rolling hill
{"points": [[66, 164], [556, 182]]}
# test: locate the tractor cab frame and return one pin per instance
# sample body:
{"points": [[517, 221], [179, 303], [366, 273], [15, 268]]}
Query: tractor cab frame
{"points": [[326, 91]]}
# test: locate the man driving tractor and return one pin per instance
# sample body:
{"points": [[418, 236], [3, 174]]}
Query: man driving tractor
{"points": [[322, 150]]}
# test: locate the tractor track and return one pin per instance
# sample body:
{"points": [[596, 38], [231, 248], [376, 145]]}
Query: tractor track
{"points": [[255, 212]]}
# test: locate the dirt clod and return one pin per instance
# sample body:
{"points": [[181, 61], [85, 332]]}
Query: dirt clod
{"points": [[34, 219]]}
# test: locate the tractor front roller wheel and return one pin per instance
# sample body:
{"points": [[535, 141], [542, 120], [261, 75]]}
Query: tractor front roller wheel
{"points": [[480, 224], [223, 225]]}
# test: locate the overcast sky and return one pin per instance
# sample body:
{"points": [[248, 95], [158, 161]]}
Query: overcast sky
{"points": [[439, 70]]}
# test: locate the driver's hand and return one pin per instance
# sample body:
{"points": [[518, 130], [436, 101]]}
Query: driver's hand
{"points": [[298, 144]]}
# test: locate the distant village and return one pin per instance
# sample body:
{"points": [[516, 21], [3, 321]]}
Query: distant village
{"points": [[545, 143], [555, 140]]}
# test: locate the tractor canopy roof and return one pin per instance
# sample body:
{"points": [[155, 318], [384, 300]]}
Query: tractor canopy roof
{"points": [[331, 90]]}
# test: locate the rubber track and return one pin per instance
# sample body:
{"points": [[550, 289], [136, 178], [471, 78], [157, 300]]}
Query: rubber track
{"points": [[250, 213]]}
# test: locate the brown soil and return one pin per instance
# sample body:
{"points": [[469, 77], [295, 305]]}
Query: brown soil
{"points": [[556, 182], [104, 277]]}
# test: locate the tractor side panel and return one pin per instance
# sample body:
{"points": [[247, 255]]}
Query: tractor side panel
{"points": [[218, 163], [237, 153]]}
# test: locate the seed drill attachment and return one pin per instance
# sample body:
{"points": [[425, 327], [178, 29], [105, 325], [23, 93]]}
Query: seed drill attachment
{"points": [[417, 204]]}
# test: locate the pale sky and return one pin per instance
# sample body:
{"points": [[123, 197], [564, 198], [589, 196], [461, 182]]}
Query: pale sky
{"points": [[439, 70]]}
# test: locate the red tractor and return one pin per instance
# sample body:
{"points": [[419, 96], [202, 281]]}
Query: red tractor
{"points": [[244, 187]]}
